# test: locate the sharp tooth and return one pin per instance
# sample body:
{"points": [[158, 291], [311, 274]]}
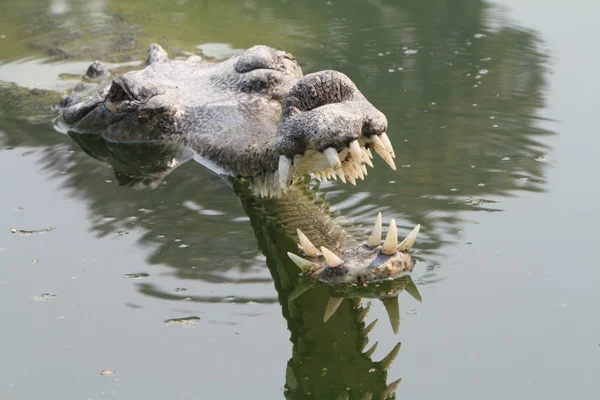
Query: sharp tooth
{"points": [[409, 241], [388, 145], [332, 157], [369, 153], [364, 170], [389, 391], [284, 170], [387, 361], [369, 328], [375, 238], [391, 240], [363, 313], [349, 173], [382, 151], [355, 150], [393, 310], [332, 306], [341, 174], [387, 158], [359, 172], [367, 158], [412, 289], [377, 142], [330, 258], [306, 245], [303, 286], [305, 265], [369, 353]]}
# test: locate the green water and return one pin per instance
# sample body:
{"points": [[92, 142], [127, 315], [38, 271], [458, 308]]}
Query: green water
{"points": [[491, 112]]}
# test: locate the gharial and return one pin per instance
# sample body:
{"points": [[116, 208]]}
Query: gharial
{"points": [[256, 118]]}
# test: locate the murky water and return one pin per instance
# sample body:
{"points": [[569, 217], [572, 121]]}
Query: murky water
{"points": [[491, 112]]}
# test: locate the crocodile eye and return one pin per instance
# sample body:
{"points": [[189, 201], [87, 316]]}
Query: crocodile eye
{"points": [[116, 97]]}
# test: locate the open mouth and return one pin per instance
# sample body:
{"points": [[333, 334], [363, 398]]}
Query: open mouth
{"points": [[349, 164]]}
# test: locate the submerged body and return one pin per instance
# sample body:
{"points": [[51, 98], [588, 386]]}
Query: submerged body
{"points": [[256, 118]]}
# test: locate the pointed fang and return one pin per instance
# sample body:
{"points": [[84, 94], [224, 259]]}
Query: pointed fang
{"points": [[412, 289], [369, 328], [393, 310], [369, 353], [306, 246], [391, 240], [332, 157], [355, 150], [284, 169], [375, 238], [330, 258], [332, 306], [302, 287], [305, 265], [380, 149], [367, 158], [408, 243], [363, 313], [387, 361], [387, 144], [391, 389]]}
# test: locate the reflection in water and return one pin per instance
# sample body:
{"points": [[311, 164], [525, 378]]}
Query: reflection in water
{"points": [[461, 88]]}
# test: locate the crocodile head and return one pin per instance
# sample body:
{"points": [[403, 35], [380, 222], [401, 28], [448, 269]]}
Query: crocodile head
{"points": [[253, 116]]}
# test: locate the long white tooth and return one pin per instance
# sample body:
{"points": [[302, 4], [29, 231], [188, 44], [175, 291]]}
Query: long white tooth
{"points": [[332, 306], [409, 241], [305, 265], [380, 149], [377, 142], [383, 153], [349, 173], [332, 157], [369, 153], [356, 170], [330, 258], [306, 244], [364, 170], [341, 174], [391, 240], [388, 145], [367, 158], [375, 237], [284, 169], [355, 150]]}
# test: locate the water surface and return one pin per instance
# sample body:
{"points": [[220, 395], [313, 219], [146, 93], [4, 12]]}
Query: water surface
{"points": [[491, 111]]}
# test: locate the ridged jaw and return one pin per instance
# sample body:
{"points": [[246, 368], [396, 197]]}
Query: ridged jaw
{"points": [[368, 262]]}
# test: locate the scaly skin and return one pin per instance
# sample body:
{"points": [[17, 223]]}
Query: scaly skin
{"points": [[331, 358], [256, 119], [253, 115]]}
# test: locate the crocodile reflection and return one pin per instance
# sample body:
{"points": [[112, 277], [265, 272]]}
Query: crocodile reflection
{"points": [[324, 364]]}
